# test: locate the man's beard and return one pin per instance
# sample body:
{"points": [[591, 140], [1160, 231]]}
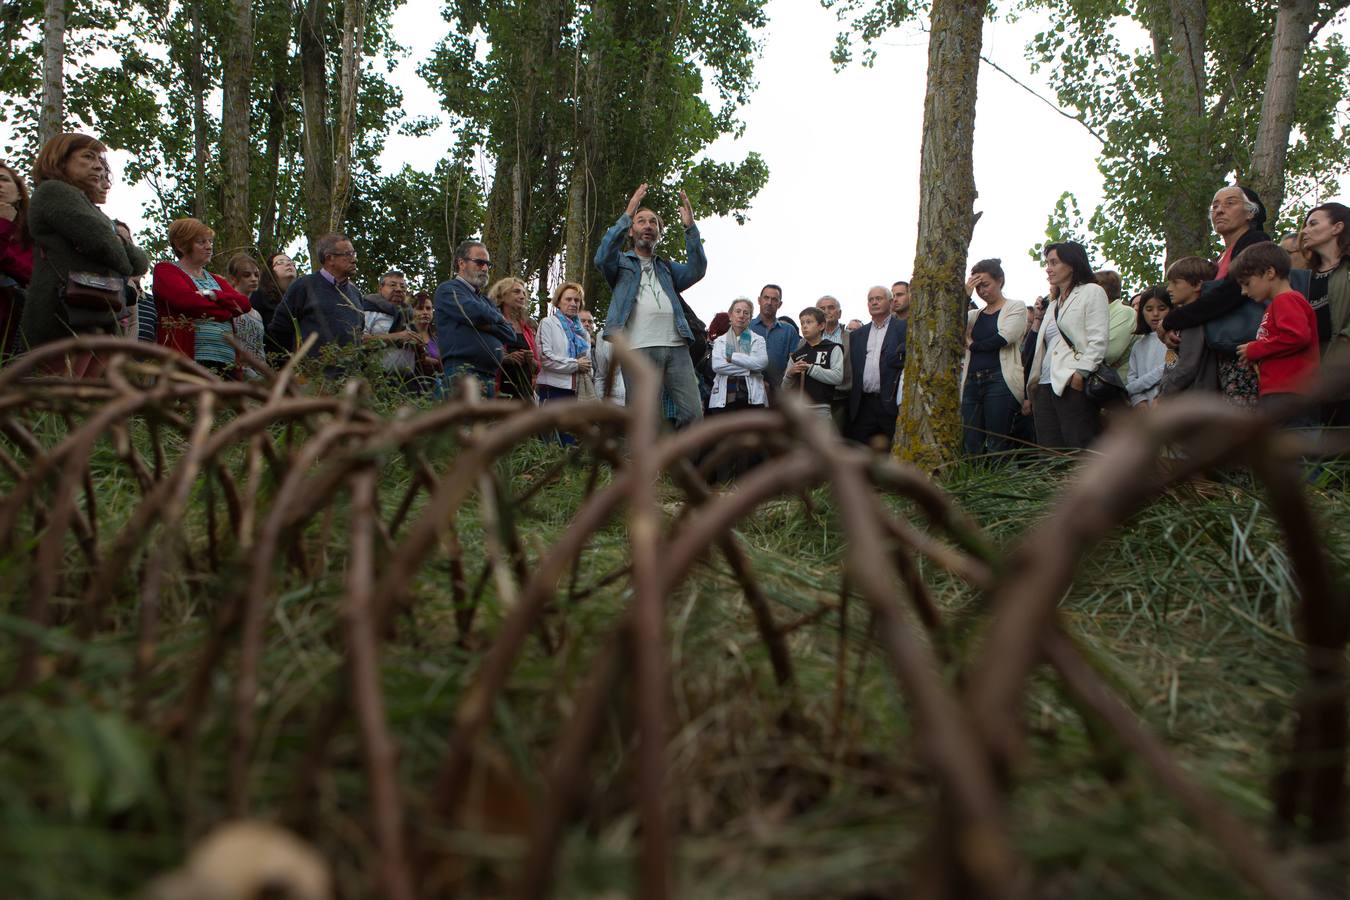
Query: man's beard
{"points": [[645, 243], [478, 279]]}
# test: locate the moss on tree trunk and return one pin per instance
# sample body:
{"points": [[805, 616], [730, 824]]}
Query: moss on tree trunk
{"points": [[929, 430]]}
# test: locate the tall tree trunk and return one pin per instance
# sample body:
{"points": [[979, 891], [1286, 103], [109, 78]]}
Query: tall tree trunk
{"points": [[51, 118], [349, 84], [236, 232], [196, 73], [515, 262], [276, 126], [1178, 33], [1277, 103], [497, 216], [318, 142], [576, 246], [930, 418]]}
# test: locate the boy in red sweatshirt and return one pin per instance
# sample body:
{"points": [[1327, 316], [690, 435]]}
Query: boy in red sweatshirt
{"points": [[1285, 351]]}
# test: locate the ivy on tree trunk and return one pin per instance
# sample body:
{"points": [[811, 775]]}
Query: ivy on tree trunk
{"points": [[236, 232]]}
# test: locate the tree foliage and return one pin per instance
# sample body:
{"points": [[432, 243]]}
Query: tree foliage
{"points": [[1179, 113], [133, 80], [577, 103]]}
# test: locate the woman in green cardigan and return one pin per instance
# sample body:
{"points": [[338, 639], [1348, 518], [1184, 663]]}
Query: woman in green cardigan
{"points": [[71, 234]]}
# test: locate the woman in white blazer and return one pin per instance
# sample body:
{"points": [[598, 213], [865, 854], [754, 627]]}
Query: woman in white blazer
{"points": [[992, 383], [564, 346], [1071, 345], [739, 360]]}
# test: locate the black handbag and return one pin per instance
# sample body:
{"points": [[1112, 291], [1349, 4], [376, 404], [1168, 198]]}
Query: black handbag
{"points": [[1103, 386], [1226, 333]]}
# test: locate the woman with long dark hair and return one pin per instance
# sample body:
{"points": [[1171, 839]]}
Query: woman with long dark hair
{"points": [[16, 256], [1326, 239], [274, 279], [1071, 345]]}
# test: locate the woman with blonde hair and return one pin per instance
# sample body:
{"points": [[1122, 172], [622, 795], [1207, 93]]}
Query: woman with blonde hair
{"points": [[520, 365], [565, 348]]}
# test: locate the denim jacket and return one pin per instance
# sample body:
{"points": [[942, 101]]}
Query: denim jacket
{"points": [[623, 271]]}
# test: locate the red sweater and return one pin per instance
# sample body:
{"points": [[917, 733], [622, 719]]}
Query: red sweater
{"points": [[16, 259], [1285, 350], [177, 299], [16, 262]]}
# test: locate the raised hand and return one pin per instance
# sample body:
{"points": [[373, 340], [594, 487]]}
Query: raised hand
{"points": [[636, 200], [686, 211]]}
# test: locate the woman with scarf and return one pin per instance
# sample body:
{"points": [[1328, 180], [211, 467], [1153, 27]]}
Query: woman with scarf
{"points": [[739, 359], [564, 350]]}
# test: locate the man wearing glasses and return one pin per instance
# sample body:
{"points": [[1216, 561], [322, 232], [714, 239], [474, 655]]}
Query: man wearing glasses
{"points": [[470, 332], [646, 304], [324, 303]]}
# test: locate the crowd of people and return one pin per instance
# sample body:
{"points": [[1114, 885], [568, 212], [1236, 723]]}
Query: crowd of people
{"points": [[1254, 326]]}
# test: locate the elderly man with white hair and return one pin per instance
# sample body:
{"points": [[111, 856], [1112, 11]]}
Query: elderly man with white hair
{"points": [[1238, 217], [877, 358]]}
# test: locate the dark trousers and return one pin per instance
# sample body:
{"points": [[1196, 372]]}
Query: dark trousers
{"points": [[987, 412], [1065, 421], [1277, 403], [872, 423], [548, 394], [736, 465]]}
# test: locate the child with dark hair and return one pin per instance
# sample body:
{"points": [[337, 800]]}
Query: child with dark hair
{"points": [[1193, 366], [1148, 357], [1285, 351], [816, 367]]}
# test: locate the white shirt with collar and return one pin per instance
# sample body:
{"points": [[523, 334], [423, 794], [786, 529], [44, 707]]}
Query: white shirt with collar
{"points": [[876, 338]]}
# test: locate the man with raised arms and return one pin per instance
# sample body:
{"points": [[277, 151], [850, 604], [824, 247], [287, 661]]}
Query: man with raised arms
{"points": [[646, 306]]}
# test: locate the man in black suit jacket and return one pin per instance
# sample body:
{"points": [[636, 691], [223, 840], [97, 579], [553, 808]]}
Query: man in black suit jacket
{"points": [[877, 357]]}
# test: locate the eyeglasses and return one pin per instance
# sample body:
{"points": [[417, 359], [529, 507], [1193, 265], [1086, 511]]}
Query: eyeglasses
{"points": [[348, 253], [481, 263]]}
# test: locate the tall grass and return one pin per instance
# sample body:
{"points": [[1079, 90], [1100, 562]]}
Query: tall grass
{"points": [[1190, 607]]}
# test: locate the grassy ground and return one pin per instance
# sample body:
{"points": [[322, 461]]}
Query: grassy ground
{"points": [[1189, 606]]}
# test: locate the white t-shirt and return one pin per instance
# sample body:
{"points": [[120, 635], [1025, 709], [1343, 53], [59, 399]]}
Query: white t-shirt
{"points": [[876, 339], [653, 321], [1051, 329]]}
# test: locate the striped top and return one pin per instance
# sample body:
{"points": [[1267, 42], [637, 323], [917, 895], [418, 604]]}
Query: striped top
{"points": [[210, 335]]}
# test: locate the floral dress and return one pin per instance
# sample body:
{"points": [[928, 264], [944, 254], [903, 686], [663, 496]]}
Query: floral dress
{"points": [[1238, 382]]}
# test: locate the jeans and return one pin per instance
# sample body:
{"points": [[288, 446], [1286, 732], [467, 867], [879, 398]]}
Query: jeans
{"points": [[676, 369], [1064, 421], [453, 375], [987, 412], [548, 393]]}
